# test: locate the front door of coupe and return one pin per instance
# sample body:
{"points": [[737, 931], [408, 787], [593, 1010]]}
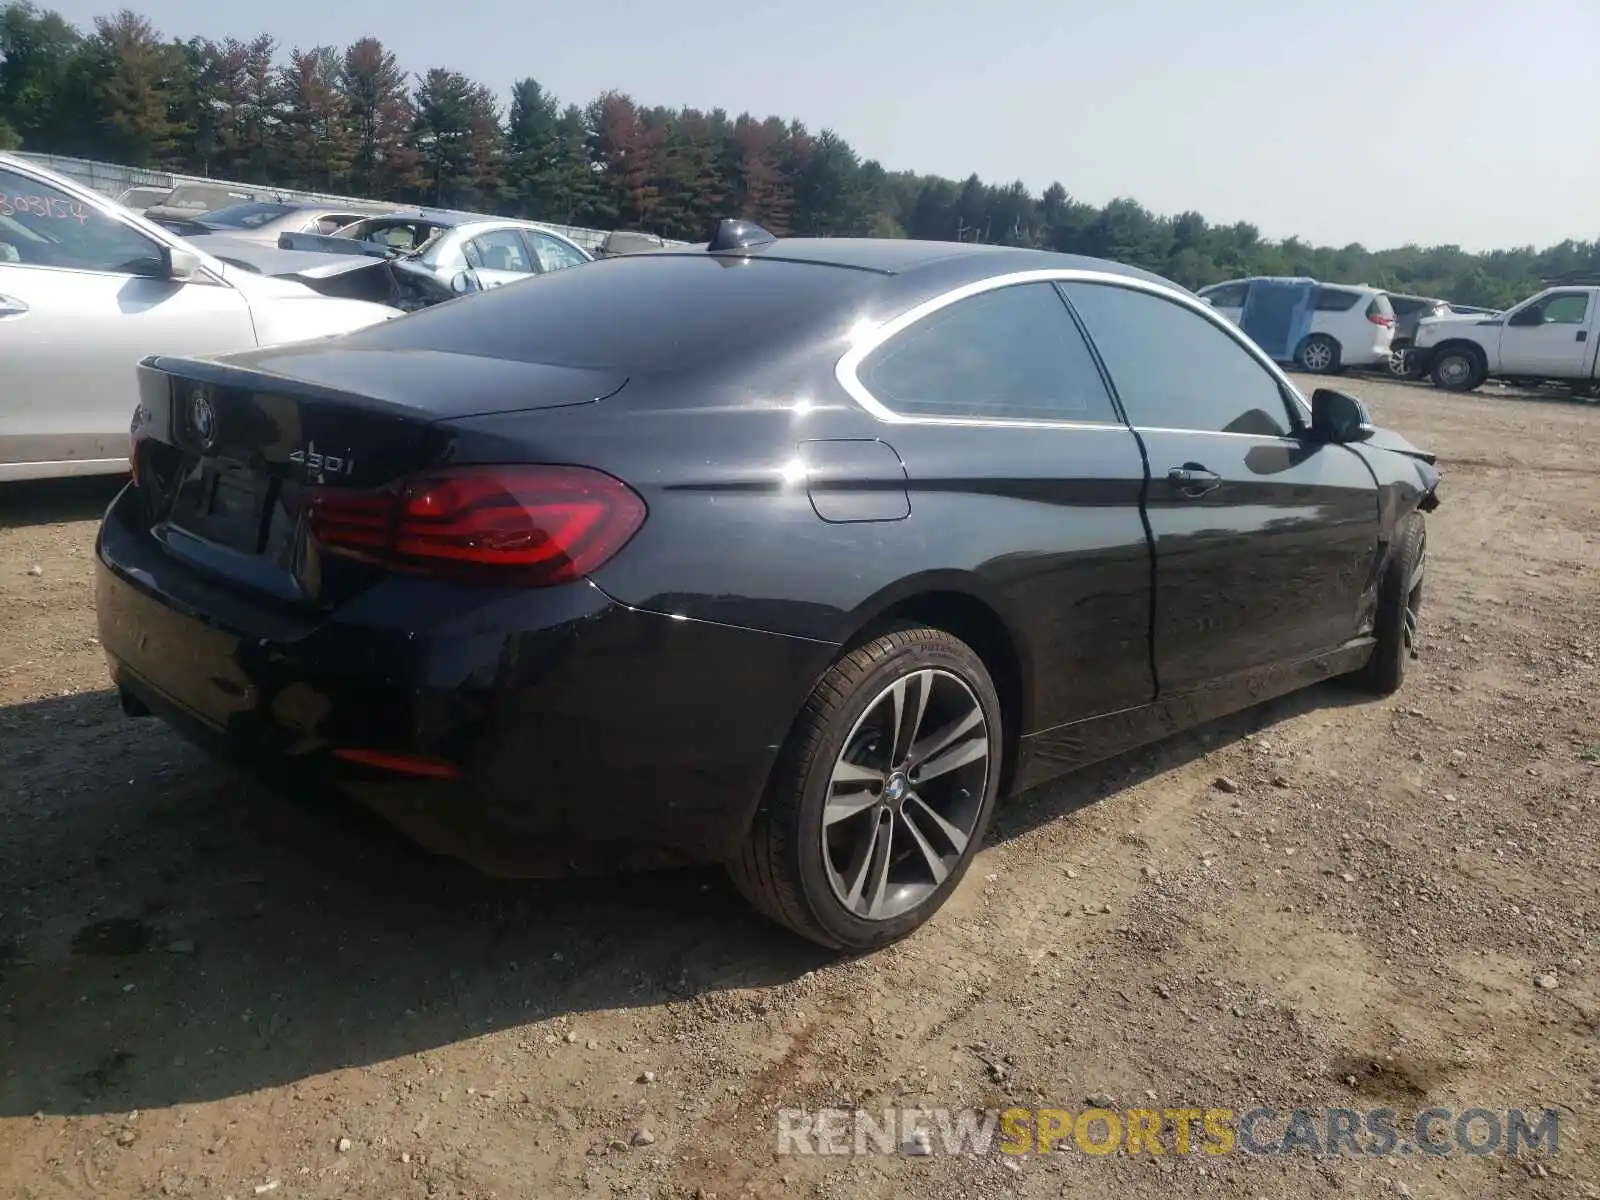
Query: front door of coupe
{"points": [[1264, 541]]}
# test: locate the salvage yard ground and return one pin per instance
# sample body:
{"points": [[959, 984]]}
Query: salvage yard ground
{"points": [[208, 990]]}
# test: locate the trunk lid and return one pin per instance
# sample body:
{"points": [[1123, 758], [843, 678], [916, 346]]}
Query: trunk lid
{"points": [[230, 454]]}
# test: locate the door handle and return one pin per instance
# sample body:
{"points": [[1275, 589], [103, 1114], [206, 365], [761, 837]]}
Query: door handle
{"points": [[1192, 479], [10, 306], [1583, 335]]}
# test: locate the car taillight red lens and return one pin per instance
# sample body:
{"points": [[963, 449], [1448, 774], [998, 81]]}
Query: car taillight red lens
{"points": [[529, 525], [1380, 319], [138, 435]]}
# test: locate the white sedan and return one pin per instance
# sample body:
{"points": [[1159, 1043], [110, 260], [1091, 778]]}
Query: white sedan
{"points": [[87, 289]]}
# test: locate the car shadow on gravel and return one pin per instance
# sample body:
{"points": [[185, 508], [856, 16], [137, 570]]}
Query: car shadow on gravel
{"points": [[171, 932], [55, 501]]}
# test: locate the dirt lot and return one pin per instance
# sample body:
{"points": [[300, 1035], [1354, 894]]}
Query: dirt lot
{"points": [[205, 987]]}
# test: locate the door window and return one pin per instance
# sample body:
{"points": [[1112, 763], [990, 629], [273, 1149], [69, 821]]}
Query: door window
{"points": [[1565, 308], [552, 253], [498, 250], [42, 226], [1012, 353], [1174, 369]]}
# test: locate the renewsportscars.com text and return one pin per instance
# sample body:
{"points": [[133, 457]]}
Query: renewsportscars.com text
{"points": [[1378, 1132]]}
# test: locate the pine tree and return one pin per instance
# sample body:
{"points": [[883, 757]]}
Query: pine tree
{"points": [[374, 87], [533, 150], [762, 190], [457, 136], [575, 183], [133, 70], [318, 132], [626, 153], [38, 54]]}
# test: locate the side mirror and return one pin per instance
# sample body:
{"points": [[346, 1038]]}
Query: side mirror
{"points": [[179, 265], [1338, 417], [466, 281]]}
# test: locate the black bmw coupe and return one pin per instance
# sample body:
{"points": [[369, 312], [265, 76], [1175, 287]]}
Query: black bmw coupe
{"points": [[788, 554]]}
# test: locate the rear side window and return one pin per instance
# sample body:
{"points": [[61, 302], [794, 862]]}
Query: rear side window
{"points": [[1227, 295], [1173, 368], [552, 253], [1009, 354], [1336, 300]]}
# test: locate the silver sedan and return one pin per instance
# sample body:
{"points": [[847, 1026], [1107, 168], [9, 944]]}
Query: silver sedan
{"points": [[471, 252]]}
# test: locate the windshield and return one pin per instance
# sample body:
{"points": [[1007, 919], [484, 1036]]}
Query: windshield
{"points": [[246, 216]]}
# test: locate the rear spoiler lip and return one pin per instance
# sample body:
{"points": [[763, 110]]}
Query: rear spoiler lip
{"points": [[219, 373]]}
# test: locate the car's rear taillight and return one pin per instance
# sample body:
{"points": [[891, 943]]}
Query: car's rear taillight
{"points": [[530, 526], [138, 435], [1380, 319]]}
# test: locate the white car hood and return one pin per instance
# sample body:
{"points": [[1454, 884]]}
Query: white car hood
{"points": [[1455, 320]]}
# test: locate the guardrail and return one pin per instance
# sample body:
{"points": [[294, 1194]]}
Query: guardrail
{"points": [[112, 179]]}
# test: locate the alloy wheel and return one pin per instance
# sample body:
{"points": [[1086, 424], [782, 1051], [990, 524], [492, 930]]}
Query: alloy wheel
{"points": [[1400, 363], [1317, 356], [905, 794]]}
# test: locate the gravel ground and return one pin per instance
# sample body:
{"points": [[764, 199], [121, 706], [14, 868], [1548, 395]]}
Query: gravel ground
{"points": [[211, 990]]}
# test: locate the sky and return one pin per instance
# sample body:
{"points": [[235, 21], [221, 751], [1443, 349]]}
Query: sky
{"points": [[1383, 122]]}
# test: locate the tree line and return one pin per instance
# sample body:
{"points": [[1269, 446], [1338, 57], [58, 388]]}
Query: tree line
{"points": [[352, 120]]}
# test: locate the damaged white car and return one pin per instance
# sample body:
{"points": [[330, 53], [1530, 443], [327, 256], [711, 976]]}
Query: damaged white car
{"points": [[87, 289]]}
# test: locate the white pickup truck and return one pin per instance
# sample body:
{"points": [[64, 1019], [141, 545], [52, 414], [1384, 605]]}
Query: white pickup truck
{"points": [[1551, 336]]}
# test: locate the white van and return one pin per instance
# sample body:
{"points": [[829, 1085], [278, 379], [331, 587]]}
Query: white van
{"points": [[1319, 327]]}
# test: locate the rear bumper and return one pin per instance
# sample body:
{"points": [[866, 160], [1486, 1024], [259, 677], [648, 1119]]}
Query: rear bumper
{"points": [[589, 736], [1366, 356]]}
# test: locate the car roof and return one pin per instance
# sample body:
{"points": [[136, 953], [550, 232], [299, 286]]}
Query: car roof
{"points": [[948, 262], [1304, 279]]}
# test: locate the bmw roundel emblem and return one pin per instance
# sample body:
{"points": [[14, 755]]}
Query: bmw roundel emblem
{"points": [[203, 419]]}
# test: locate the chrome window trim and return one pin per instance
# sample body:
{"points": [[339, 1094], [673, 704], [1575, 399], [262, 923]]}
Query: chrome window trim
{"points": [[863, 344], [1229, 433]]}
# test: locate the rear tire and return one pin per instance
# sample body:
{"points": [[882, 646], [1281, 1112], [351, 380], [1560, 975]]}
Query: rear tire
{"points": [[1318, 355], [1458, 370], [1399, 605], [857, 842]]}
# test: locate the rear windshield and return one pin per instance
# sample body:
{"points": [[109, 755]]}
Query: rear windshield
{"points": [[1380, 306], [202, 198], [247, 216], [638, 312]]}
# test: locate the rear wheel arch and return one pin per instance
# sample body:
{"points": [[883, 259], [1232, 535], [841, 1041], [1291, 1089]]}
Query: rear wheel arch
{"points": [[940, 603], [976, 622]]}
